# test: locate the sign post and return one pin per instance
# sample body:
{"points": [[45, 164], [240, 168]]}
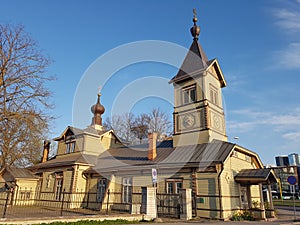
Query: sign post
{"points": [[154, 177], [292, 180]]}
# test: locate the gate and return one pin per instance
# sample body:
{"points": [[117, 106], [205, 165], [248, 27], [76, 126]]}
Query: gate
{"points": [[169, 205]]}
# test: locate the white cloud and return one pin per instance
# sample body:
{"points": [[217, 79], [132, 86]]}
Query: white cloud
{"points": [[293, 136], [240, 126], [288, 19], [250, 113], [234, 79], [250, 120], [289, 58], [285, 120]]}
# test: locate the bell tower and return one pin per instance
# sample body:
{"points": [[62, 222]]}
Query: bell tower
{"points": [[198, 115]]}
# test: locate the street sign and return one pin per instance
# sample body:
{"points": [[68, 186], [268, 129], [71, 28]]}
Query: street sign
{"points": [[292, 189], [292, 180], [154, 176]]}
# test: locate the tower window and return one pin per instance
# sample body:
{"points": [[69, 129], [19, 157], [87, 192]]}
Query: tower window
{"points": [[214, 95], [189, 94]]}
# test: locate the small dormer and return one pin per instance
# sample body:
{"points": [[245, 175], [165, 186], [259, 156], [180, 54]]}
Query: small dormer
{"points": [[92, 140], [69, 141]]}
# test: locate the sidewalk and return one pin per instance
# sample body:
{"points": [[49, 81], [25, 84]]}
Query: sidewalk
{"points": [[285, 217]]}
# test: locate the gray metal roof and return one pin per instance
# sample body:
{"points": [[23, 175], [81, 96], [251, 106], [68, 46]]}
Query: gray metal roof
{"points": [[201, 155], [195, 60], [18, 173], [66, 160], [255, 176]]}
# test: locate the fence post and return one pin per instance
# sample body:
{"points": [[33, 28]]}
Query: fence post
{"points": [[62, 203], [186, 203], [88, 199], [107, 202], [149, 206], [6, 203]]}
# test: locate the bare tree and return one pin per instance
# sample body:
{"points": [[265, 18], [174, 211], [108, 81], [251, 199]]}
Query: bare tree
{"points": [[24, 100], [141, 126], [160, 123], [122, 125], [130, 127]]}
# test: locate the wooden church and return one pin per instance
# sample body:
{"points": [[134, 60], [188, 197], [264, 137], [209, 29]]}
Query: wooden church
{"points": [[223, 177]]}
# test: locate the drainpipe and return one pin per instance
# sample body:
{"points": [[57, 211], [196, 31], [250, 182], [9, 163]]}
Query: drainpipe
{"points": [[219, 170], [46, 151]]}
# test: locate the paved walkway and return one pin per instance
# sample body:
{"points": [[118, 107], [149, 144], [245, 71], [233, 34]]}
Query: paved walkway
{"points": [[285, 217]]}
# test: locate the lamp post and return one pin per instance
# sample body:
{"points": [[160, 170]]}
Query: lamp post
{"points": [[236, 138]]}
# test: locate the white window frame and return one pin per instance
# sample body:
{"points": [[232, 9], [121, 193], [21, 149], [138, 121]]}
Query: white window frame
{"points": [[127, 190], [174, 185], [189, 94], [59, 181]]}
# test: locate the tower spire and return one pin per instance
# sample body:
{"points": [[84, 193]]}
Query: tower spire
{"points": [[195, 30]]}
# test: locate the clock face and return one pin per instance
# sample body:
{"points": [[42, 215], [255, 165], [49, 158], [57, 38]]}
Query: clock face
{"points": [[188, 121]]}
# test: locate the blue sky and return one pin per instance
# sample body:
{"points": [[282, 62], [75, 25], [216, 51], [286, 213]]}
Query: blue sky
{"points": [[257, 43]]}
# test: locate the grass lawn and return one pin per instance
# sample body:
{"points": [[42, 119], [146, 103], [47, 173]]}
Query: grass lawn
{"points": [[94, 222], [286, 202]]}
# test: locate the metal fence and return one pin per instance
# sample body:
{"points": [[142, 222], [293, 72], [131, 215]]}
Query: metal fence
{"points": [[169, 205], [27, 204]]}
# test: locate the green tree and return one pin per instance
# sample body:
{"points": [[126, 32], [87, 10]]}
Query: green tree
{"points": [[24, 99]]}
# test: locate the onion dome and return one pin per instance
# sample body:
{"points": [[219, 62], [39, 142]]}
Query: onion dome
{"points": [[97, 110], [195, 30]]}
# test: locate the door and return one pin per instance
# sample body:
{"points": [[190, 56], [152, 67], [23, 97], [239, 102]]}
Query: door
{"points": [[101, 188], [244, 197]]}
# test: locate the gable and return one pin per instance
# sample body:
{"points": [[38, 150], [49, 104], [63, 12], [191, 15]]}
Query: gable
{"points": [[245, 155], [68, 132], [217, 72]]}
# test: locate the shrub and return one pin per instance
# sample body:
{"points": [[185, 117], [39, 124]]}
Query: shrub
{"points": [[242, 215]]}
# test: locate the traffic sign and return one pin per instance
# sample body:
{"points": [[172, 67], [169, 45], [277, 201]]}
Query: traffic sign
{"points": [[292, 180], [154, 176]]}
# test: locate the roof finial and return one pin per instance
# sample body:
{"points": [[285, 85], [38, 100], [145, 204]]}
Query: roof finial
{"points": [[99, 91], [195, 30], [195, 14]]}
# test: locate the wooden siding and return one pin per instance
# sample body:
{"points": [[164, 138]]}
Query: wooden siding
{"points": [[81, 180], [92, 145], [230, 190], [208, 200]]}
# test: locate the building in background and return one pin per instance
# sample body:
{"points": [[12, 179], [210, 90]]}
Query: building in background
{"points": [[282, 160], [287, 165], [294, 159]]}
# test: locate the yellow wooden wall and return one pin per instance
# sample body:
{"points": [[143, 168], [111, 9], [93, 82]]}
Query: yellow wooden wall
{"points": [[230, 189]]}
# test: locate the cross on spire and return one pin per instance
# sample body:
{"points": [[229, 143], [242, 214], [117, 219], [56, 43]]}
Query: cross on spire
{"points": [[195, 30]]}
